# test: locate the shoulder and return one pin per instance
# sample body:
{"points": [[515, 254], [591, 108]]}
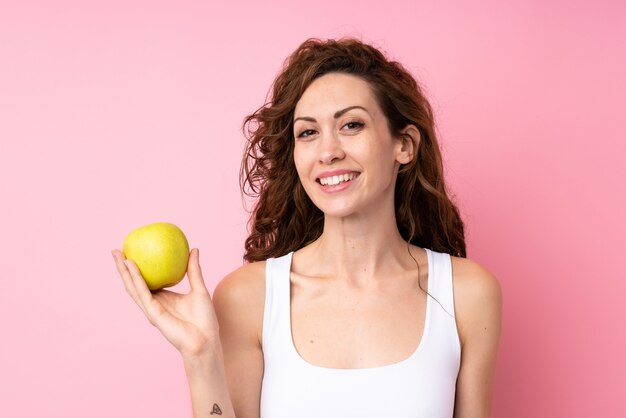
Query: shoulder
{"points": [[244, 281], [477, 298], [473, 280], [239, 298]]}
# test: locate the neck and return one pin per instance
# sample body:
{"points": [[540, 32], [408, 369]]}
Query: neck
{"points": [[360, 249]]}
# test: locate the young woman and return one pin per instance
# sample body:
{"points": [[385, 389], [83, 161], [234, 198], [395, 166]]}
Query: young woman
{"points": [[357, 300]]}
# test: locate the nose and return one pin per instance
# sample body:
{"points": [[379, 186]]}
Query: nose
{"points": [[331, 149]]}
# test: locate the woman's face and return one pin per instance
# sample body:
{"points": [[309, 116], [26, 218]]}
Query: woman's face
{"points": [[345, 155]]}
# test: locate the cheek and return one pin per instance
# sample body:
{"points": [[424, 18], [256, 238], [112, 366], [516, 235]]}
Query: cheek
{"points": [[297, 161], [302, 166], [304, 174], [383, 162]]}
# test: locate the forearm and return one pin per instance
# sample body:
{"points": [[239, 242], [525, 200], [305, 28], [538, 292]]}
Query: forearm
{"points": [[208, 385]]}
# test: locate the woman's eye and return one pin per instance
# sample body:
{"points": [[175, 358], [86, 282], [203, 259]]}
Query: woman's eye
{"points": [[354, 125], [305, 133]]}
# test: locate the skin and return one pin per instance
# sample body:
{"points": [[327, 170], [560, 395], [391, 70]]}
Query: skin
{"points": [[367, 269]]}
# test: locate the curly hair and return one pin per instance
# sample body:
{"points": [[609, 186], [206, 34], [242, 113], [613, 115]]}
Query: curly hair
{"points": [[284, 218]]}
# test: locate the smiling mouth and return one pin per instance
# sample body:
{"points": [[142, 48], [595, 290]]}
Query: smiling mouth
{"points": [[335, 180]]}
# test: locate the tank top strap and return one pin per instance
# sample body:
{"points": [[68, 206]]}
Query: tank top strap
{"points": [[440, 280], [277, 310], [440, 286]]}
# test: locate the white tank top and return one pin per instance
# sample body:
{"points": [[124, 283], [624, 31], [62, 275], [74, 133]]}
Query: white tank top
{"points": [[421, 386]]}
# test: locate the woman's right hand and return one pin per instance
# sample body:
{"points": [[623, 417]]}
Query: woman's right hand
{"points": [[188, 321]]}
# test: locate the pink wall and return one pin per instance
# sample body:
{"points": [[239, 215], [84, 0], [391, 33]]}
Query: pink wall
{"points": [[116, 114]]}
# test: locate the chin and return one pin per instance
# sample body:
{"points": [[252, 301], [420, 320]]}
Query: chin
{"points": [[337, 212]]}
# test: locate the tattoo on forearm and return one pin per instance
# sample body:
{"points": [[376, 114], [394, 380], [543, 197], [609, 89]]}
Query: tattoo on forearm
{"points": [[216, 410]]}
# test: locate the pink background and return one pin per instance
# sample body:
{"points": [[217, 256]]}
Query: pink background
{"points": [[115, 114]]}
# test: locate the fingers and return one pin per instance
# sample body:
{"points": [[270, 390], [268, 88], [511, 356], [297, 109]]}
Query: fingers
{"points": [[143, 293], [133, 281], [194, 272], [119, 258]]}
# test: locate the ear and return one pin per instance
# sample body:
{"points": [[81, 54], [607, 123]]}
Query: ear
{"points": [[409, 141]]}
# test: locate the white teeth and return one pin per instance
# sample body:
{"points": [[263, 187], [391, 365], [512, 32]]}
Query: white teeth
{"points": [[334, 180]]}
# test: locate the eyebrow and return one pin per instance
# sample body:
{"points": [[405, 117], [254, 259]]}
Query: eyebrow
{"points": [[337, 114]]}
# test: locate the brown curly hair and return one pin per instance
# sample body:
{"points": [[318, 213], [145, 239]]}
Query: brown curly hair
{"points": [[284, 219]]}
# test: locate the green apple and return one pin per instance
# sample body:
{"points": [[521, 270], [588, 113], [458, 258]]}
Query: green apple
{"points": [[160, 251]]}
